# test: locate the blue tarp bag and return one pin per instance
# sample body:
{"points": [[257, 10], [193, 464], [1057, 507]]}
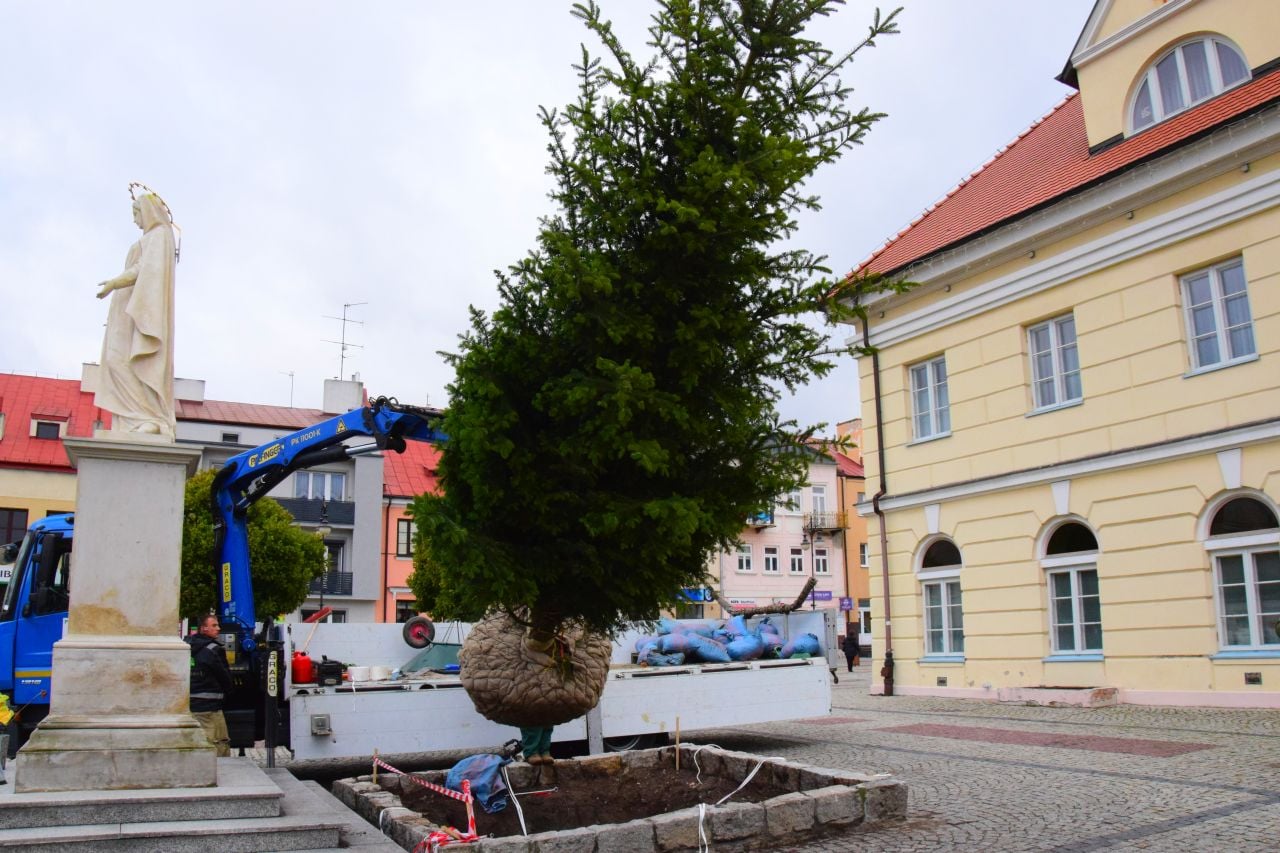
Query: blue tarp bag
{"points": [[707, 650], [668, 626], [745, 648], [737, 626], [806, 644], [675, 643], [656, 658], [484, 774], [641, 642]]}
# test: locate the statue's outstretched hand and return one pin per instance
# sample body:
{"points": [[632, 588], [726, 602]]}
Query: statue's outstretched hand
{"points": [[106, 287]]}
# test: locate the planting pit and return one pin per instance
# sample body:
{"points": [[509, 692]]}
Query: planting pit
{"points": [[638, 801]]}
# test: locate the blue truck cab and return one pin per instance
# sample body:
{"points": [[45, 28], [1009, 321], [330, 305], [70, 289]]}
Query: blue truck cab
{"points": [[32, 618]]}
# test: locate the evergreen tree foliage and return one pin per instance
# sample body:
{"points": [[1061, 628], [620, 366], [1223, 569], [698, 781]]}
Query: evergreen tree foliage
{"points": [[284, 559], [614, 421]]}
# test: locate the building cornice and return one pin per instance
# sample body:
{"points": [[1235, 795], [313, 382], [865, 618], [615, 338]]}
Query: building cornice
{"points": [[1218, 153], [1127, 33], [1153, 454]]}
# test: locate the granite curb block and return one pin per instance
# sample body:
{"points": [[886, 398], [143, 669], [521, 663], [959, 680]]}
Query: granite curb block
{"points": [[822, 802]]}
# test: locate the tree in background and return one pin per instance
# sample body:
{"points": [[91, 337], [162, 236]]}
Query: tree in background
{"points": [[284, 559], [614, 421]]}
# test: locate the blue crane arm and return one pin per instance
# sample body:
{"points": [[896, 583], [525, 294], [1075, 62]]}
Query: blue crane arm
{"points": [[245, 478]]}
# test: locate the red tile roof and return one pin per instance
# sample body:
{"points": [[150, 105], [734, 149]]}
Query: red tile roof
{"points": [[848, 467], [248, 414], [412, 473], [1048, 161], [25, 397]]}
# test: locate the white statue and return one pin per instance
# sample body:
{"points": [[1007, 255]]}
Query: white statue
{"points": [[136, 376]]}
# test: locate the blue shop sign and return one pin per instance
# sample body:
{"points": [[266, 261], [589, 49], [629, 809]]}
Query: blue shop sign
{"points": [[699, 594]]}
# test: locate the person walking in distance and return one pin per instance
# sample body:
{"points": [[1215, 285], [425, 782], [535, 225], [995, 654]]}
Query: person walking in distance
{"points": [[210, 682], [851, 649]]}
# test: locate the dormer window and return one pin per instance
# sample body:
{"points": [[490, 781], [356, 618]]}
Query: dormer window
{"points": [[1192, 72]]}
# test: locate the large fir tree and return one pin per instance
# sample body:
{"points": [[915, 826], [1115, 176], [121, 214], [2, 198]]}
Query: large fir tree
{"points": [[614, 421]]}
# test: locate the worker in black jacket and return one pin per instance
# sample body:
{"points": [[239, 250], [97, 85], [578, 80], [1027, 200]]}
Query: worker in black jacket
{"points": [[210, 682]]}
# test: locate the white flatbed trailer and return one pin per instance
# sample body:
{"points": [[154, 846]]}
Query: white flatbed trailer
{"points": [[433, 712]]}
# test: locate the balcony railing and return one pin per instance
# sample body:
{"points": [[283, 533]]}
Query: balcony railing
{"points": [[332, 583], [309, 510], [825, 521]]}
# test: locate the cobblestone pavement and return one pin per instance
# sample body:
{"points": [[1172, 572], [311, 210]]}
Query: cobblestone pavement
{"points": [[997, 777]]}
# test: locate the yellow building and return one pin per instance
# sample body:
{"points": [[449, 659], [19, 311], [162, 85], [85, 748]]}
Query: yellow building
{"points": [[1080, 398]]}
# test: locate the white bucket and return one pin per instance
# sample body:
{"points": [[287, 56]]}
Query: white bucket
{"points": [[380, 673], [358, 673]]}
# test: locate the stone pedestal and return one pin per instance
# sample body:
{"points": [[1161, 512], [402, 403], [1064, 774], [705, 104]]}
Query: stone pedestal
{"points": [[118, 716]]}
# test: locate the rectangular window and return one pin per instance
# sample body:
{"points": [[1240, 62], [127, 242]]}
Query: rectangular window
{"points": [[13, 525], [405, 530], [1055, 363], [1249, 598], [863, 560], [744, 558], [1219, 322], [48, 429], [231, 438], [771, 560], [797, 561], [930, 406], [319, 485], [1075, 611], [819, 499], [820, 566], [790, 501], [943, 618]]}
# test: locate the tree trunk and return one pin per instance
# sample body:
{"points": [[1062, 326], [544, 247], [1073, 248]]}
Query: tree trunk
{"points": [[533, 673], [768, 608]]}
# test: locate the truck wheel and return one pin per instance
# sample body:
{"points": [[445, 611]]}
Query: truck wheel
{"points": [[419, 632]]}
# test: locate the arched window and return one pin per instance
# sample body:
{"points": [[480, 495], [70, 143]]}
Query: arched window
{"points": [[1071, 572], [943, 607], [1192, 72], [1244, 540]]}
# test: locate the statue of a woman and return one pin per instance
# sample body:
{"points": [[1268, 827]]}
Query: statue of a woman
{"points": [[136, 377]]}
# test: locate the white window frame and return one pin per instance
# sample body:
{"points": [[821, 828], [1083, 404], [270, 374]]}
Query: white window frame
{"points": [[818, 499], [310, 478], [771, 560], [1057, 350], [1073, 566], [944, 582], [1248, 547], [406, 529], [1217, 305], [744, 556], [1150, 78], [864, 558], [820, 564], [795, 562], [932, 419], [790, 501]]}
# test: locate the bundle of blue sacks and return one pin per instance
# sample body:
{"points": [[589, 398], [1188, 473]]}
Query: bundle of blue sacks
{"points": [[720, 642]]}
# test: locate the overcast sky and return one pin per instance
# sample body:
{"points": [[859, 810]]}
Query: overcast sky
{"points": [[388, 155]]}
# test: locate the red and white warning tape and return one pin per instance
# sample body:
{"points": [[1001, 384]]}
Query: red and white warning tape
{"points": [[446, 835]]}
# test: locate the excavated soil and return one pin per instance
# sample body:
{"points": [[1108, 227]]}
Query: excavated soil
{"points": [[634, 793]]}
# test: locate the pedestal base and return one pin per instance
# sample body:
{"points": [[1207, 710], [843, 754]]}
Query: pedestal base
{"points": [[80, 753]]}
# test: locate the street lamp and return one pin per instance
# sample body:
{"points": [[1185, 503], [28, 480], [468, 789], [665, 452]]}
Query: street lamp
{"points": [[806, 545]]}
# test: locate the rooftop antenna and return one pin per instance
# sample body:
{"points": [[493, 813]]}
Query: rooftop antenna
{"points": [[342, 356], [289, 373]]}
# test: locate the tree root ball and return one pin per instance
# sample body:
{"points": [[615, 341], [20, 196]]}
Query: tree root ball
{"points": [[516, 686]]}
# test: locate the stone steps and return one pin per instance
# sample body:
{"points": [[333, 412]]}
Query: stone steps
{"points": [[249, 811]]}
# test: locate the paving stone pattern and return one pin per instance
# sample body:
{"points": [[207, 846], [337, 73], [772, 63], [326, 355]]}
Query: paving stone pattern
{"points": [[1015, 777]]}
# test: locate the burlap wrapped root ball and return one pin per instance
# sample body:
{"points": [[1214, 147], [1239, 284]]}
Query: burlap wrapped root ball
{"points": [[515, 686]]}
